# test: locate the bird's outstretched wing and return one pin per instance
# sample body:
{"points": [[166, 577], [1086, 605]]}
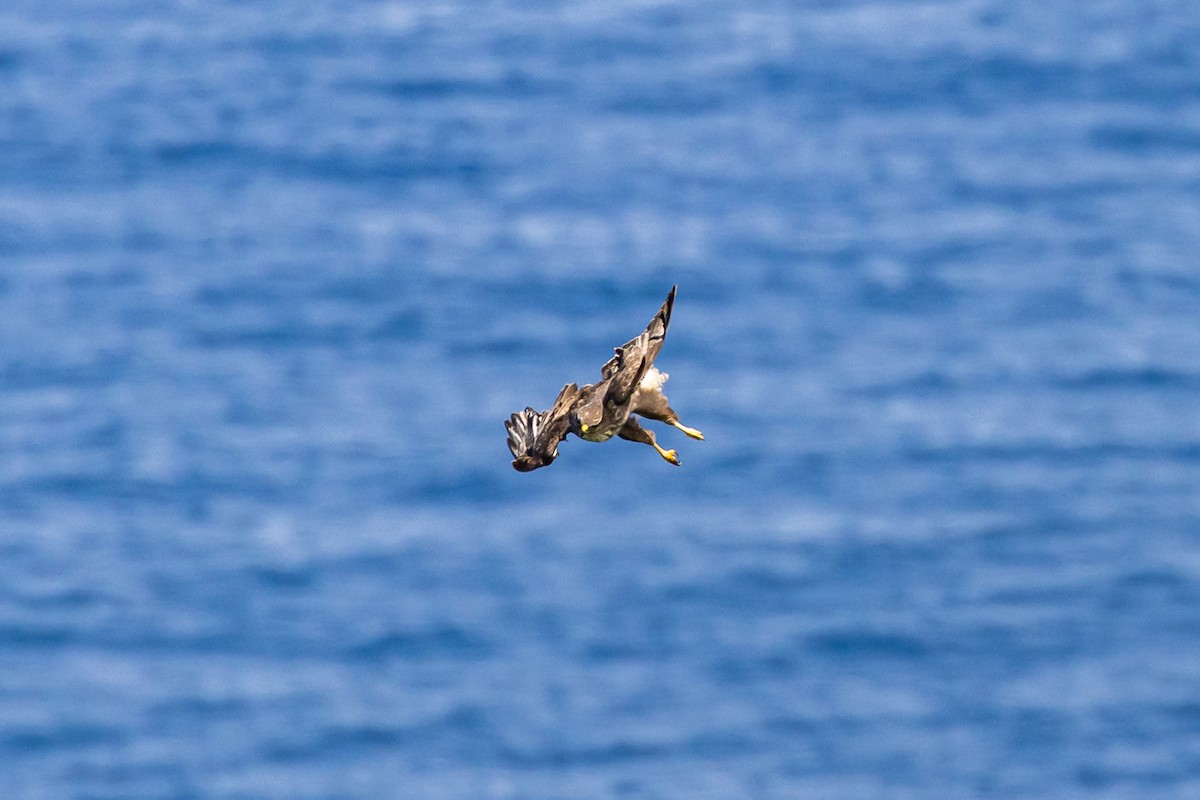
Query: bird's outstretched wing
{"points": [[633, 358], [533, 436]]}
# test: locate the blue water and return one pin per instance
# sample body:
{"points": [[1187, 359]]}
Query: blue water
{"points": [[273, 275]]}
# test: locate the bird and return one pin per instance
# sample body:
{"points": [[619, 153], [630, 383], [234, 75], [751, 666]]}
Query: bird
{"points": [[630, 386]]}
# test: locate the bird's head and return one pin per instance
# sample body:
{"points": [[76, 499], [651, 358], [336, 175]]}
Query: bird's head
{"points": [[588, 413]]}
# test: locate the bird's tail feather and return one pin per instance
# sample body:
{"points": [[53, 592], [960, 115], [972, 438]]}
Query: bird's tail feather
{"points": [[523, 429]]}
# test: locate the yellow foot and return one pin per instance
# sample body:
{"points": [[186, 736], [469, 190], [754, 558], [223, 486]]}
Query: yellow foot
{"points": [[692, 432], [669, 455]]}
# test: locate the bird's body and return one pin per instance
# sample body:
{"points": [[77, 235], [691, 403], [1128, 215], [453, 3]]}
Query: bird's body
{"points": [[630, 384]]}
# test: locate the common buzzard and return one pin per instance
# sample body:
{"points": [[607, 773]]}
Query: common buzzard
{"points": [[629, 385]]}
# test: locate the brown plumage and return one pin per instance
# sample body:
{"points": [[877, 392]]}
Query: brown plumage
{"points": [[630, 384]]}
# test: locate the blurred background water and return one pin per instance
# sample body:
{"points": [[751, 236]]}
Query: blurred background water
{"points": [[272, 276]]}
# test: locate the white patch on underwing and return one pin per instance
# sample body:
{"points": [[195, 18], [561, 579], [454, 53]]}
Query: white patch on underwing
{"points": [[653, 380]]}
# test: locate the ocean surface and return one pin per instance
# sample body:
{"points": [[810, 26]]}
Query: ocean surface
{"points": [[272, 276]]}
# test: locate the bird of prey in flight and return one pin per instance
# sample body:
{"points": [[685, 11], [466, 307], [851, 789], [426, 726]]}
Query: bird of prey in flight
{"points": [[630, 385]]}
